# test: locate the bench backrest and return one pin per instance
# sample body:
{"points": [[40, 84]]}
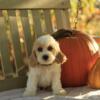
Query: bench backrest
{"points": [[18, 30]]}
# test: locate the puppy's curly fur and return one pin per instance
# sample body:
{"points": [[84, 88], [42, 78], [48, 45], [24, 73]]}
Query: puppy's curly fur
{"points": [[45, 66]]}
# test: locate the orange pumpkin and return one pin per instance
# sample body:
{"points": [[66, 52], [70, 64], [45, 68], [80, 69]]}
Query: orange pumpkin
{"points": [[82, 52], [94, 76]]}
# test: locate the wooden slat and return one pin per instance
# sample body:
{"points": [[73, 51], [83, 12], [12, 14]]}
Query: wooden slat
{"points": [[62, 19], [4, 49], [13, 14], [37, 22], [27, 32], [48, 22], [67, 17], [13, 83], [15, 41], [23, 4]]}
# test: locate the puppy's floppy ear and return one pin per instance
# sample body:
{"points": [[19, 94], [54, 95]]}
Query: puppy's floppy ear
{"points": [[61, 58], [33, 59]]}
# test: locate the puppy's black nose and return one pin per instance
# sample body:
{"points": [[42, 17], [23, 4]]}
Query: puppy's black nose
{"points": [[45, 57]]}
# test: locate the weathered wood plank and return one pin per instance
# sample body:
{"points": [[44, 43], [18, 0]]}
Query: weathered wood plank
{"points": [[4, 49], [37, 22], [27, 32], [48, 22], [62, 19], [15, 40], [13, 83], [66, 13], [21, 4]]}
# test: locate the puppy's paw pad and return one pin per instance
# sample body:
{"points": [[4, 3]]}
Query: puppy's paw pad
{"points": [[29, 94]]}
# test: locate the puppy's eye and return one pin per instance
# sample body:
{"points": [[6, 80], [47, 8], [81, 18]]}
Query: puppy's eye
{"points": [[50, 48], [40, 49]]}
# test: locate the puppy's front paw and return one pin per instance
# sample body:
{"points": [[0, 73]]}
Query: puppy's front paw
{"points": [[62, 92], [29, 93]]}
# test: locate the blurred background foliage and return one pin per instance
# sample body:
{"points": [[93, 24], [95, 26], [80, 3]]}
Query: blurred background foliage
{"points": [[88, 19]]}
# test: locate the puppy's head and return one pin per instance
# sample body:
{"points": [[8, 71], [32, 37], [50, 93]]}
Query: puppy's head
{"points": [[46, 50]]}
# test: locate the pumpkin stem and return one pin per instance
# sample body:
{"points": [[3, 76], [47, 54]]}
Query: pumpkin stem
{"points": [[61, 33]]}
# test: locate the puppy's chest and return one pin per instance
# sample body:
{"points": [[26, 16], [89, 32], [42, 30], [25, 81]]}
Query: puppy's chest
{"points": [[45, 77]]}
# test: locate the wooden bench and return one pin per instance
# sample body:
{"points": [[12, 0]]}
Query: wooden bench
{"points": [[18, 29]]}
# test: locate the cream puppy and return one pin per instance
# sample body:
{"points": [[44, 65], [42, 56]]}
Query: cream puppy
{"points": [[45, 66]]}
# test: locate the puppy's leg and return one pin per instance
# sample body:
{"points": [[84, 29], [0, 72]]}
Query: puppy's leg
{"points": [[31, 88], [57, 87]]}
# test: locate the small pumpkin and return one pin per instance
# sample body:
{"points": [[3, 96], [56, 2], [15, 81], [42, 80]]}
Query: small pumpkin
{"points": [[82, 52], [94, 76]]}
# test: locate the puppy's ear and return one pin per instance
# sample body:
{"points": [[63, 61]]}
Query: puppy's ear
{"points": [[33, 60], [61, 58]]}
